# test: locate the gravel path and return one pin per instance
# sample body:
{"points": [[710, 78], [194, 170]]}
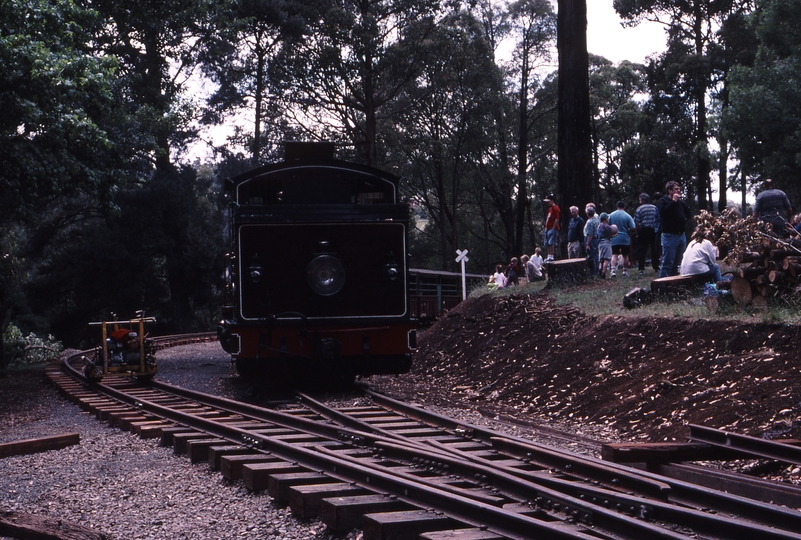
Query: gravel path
{"points": [[126, 487]]}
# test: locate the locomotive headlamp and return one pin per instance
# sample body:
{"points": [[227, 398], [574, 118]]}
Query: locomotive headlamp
{"points": [[255, 271], [325, 275]]}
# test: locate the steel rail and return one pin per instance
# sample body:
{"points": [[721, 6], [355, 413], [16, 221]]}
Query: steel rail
{"points": [[547, 457], [676, 490], [690, 494], [752, 446], [677, 511], [729, 481]]}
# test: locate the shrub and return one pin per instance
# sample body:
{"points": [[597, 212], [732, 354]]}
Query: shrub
{"points": [[30, 349]]}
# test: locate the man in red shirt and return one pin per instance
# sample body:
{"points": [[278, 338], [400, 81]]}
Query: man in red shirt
{"points": [[552, 226]]}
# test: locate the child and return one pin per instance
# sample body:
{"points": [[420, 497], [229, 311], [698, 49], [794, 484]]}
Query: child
{"points": [[537, 260], [497, 280], [605, 234]]}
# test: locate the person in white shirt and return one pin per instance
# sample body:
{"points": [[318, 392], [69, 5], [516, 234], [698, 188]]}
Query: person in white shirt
{"points": [[536, 259], [498, 279], [700, 259]]}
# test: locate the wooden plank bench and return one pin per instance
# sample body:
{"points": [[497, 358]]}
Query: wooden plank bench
{"points": [[671, 284]]}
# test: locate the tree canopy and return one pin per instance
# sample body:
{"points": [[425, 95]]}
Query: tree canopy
{"points": [[101, 207]]}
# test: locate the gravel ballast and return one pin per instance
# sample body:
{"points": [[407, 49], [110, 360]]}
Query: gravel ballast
{"points": [[127, 487]]}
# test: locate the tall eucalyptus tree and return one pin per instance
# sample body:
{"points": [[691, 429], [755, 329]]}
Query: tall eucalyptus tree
{"points": [[359, 57], [575, 142], [442, 129], [692, 28], [242, 56], [155, 42], [533, 27], [765, 115]]}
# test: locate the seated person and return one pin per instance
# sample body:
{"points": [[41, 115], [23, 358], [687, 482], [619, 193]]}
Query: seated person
{"points": [[533, 272], [700, 260], [498, 279]]}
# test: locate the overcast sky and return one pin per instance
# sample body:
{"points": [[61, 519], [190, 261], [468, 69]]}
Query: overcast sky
{"points": [[607, 38]]}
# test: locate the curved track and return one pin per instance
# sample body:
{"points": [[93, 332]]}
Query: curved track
{"points": [[397, 471]]}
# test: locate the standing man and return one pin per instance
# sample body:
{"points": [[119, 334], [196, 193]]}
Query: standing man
{"points": [[771, 206], [591, 237], [673, 216], [575, 234], [552, 226], [621, 244], [647, 220]]}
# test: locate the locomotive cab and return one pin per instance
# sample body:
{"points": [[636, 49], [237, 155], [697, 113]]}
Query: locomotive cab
{"points": [[125, 349], [316, 280]]}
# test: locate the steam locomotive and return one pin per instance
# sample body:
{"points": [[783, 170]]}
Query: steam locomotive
{"points": [[316, 277]]}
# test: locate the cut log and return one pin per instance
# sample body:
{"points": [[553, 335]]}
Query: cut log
{"points": [[792, 265], [776, 276], [741, 291], [780, 254], [567, 271], [723, 285], [751, 256], [750, 272]]}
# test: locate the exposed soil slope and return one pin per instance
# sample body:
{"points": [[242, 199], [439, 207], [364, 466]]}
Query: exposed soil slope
{"points": [[646, 379]]}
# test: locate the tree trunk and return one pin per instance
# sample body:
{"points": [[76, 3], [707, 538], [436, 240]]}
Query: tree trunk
{"points": [[522, 157], [574, 132], [704, 165]]}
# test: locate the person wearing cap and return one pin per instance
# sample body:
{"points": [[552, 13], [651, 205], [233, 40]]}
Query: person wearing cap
{"points": [[575, 234], [605, 235], [591, 237], [646, 218], [771, 206], [552, 226], [621, 244]]}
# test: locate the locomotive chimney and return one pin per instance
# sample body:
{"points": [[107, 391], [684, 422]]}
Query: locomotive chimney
{"points": [[308, 150]]}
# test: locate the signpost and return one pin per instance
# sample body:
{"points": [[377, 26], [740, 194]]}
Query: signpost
{"points": [[462, 258]]}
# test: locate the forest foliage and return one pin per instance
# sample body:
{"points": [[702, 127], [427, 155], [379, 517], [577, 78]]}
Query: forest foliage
{"points": [[104, 209]]}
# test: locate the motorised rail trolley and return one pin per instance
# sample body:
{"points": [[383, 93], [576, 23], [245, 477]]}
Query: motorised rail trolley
{"points": [[125, 349]]}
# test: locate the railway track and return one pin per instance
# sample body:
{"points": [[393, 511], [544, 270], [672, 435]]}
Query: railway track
{"points": [[397, 471]]}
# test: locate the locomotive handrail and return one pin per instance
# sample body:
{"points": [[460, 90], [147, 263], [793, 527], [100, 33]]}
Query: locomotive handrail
{"points": [[288, 315]]}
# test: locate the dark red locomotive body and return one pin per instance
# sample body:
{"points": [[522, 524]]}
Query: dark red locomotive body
{"points": [[317, 273]]}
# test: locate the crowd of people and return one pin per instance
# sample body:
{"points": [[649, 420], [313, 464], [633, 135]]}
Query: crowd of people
{"points": [[656, 235]]}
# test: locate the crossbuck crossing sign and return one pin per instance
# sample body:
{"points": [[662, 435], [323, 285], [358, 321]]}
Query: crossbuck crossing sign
{"points": [[462, 258]]}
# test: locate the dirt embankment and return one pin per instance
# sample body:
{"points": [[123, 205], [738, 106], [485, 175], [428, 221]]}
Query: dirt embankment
{"points": [[643, 378]]}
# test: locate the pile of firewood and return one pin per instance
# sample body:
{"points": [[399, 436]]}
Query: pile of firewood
{"points": [[765, 264]]}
